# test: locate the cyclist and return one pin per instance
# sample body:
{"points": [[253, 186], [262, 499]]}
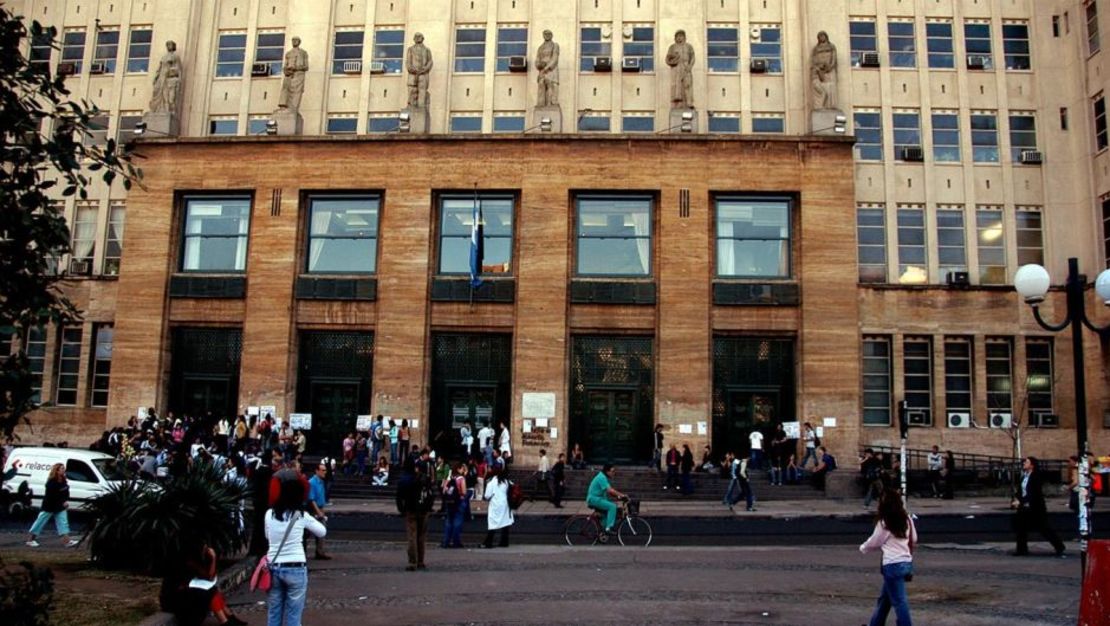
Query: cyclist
{"points": [[599, 494]]}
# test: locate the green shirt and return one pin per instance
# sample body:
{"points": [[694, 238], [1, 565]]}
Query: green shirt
{"points": [[599, 487]]}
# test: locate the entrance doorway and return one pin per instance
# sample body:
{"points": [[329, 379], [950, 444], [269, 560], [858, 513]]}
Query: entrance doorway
{"points": [[753, 388], [471, 381], [748, 410], [202, 396], [611, 416], [333, 384], [334, 411], [204, 371]]}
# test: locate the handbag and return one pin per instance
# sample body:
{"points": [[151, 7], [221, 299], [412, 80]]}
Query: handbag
{"points": [[261, 579]]}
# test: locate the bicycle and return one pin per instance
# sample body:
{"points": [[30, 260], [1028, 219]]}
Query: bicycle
{"points": [[631, 529]]}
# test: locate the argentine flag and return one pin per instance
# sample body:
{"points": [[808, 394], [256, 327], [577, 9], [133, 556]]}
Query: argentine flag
{"points": [[477, 251]]}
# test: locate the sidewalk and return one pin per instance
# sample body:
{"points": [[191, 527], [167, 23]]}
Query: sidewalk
{"points": [[781, 509]]}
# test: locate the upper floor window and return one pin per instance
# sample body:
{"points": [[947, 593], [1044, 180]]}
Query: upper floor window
{"points": [[591, 46], [512, 41], [382, 123], [768, 123], [903, 46], [83, 245], [42, 46], [341, 124], [466, 123], [73, 48], [614, 236], [869, 135], [347, 51], [877, 375], [984, 137], [753, 238], [223, 125], [957, 374], [977, 40], [495, 215], [1093, 44], [270, 50], [1023, 134], [68, 367], [723, 54], [113, 238], [101, 364], [107, 49], [1106, 230], [1102, 139], [343, 234], [913, 264], [724, 122], [768, 46], [470, 49], [508, 122], [951, 240], [34, 347], [946, 137], [597, 121], [938, 39], [907, 133], [215, 234], [256, 124], [637, 123], [642, 47], [1000, 383], [1039, 375], [389, 49], [231, 55], [863, 39], [917, 377], [992, 246], [871, 241], [138, 49], [1030, 235], [1015, 45]]}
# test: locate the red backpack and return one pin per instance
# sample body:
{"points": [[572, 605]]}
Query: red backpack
{"points": [[516, 495]]}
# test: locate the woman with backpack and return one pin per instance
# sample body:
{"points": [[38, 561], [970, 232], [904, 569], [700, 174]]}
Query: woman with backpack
{"points": [[500, 515], [454, 506], [896, 536]]}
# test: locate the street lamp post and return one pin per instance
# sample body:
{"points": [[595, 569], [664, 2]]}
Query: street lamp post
{"points": [[1032, 282]]}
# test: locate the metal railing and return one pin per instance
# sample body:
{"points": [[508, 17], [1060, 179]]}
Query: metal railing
{"points": [[989, 468]]}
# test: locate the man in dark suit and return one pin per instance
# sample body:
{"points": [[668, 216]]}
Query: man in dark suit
{"points": [[1032, 514]]}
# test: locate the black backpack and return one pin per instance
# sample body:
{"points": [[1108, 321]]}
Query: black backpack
{"points": [[451, 495]]}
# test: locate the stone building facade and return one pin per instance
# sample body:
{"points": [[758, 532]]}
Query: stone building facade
{"points": [[771, 271]]}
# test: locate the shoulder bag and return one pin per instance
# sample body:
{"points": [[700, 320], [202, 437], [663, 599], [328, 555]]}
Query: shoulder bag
{"points": [[261, 579]]}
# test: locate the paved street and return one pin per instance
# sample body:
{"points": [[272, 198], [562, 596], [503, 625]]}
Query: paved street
{"points": [[366, 583]]}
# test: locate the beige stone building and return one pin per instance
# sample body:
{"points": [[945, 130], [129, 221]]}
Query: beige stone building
{"points": [[980, 145]]}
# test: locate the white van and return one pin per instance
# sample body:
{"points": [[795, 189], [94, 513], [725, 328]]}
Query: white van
{"points": [[89, 473]]}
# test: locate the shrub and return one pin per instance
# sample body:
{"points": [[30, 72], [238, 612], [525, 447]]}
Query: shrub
{"points": [[26, 593], [145, 527]]}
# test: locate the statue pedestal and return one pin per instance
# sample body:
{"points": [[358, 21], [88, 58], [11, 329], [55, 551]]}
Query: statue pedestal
{"points": [[288, 122], [823, 122], [683, 119], [161, 124], [551, 112], [419, 120]]}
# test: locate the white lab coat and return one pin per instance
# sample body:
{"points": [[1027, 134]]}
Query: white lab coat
{"points": [[499, 514]]}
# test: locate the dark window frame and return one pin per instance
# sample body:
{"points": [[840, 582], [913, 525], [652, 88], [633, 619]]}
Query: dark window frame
{"points": [[653, 202], [791, 225], [309, 210], [185, 200]]}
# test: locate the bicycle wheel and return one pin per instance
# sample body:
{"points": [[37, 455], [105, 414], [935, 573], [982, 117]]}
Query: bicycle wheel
{"points": [[581, 531], [635, 531]]}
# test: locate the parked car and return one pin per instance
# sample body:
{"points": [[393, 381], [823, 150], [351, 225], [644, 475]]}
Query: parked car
{"points": [[89, 473]]}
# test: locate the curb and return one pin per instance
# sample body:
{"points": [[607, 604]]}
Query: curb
{"points": [[230, 579]]}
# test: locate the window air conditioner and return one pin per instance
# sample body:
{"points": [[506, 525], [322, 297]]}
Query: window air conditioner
{"points": [[913, 153], [352, 67], [97, 67], [1001, 420], [80, 267], [260, 69], [603, 64], [959, 420], [518, 64], [1044, 420], [976, 62], [870, 59], [631, 64], [759, 66], [1031, 157], [67, 69], [958, 279], [377, 67], [916, 418]]}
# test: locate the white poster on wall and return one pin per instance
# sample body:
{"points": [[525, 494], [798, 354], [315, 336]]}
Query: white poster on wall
{"points": [[537, 405], [685, 429], [820, 432], [364, 422], [542, 422], [414, 424], [252, 411], [268, 410], [829, 422], [301, 421], [553, 433], [793, 430], [703, 428], [527, 426]]}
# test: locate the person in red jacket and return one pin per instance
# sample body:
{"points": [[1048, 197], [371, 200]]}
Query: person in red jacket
{"points": [[674, 459]]}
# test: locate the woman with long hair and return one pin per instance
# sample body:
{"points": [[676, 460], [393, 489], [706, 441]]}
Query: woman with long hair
{"points": [[896, 536], [285, 526], [55, 503]]}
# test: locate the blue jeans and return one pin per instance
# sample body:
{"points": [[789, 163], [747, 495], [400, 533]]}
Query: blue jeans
{"points": [[453, 524], [893, 595], [61, 522], [811, 453], [285, 601], [757, 459], [733, 485], [375, 450]]}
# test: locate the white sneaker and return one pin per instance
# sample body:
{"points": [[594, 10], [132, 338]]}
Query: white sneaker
{"points": [[33, 543], [72, 543]]}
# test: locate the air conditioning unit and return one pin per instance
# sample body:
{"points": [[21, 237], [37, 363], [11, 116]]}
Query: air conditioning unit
{"points": [[98, 67], [260, 69], [377, 67], [80, 267], [352, 67], [870, 59], [916, 418], [913, 153], [759, 66], [603, 64], [631, 64], [958, 279], [1031, 157], [959, 420], [976, 62], [67, 69], [1001, 420], [518, 64], [1044, 420]]}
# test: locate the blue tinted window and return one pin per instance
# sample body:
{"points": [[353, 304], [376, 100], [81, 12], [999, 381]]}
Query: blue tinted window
{"points": [[466, 124], [724, 124], [508, 123], [768, 125]]}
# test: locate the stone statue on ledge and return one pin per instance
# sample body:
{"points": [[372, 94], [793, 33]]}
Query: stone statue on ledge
{"points": [[418, 64], [680, 58], [162, 115], [547, 101], [822, 73], [287, 117]]}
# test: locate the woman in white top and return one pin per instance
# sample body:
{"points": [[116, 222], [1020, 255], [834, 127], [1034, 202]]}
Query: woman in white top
{"points": [[499, 516], [285, 526], [896, 536]]}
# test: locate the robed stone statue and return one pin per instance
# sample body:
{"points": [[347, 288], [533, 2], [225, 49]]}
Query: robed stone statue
{"points": [[547, 64], [680, 58], [822, 71], [292, 86]]}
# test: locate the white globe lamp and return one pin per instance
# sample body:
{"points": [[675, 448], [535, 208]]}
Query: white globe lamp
{"points": [[1032, 282]]}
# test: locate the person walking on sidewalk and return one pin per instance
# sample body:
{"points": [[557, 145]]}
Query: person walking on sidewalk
{"points": [[499, 516], [871, 473], [935, 464], [674, 459], [756, 439], [810, 437], [55, 504], [415, 499], [454, 506], [896, 536], [559, 480], [732, 466], [1031, 512], [687, 467]]}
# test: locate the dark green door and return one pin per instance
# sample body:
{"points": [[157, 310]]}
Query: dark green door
{"points": [[207, 395], [334, 410], [746, 411], [611, 423]]}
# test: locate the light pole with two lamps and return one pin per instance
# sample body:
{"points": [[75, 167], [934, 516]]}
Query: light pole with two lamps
{"points": [[1032, 282]]}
